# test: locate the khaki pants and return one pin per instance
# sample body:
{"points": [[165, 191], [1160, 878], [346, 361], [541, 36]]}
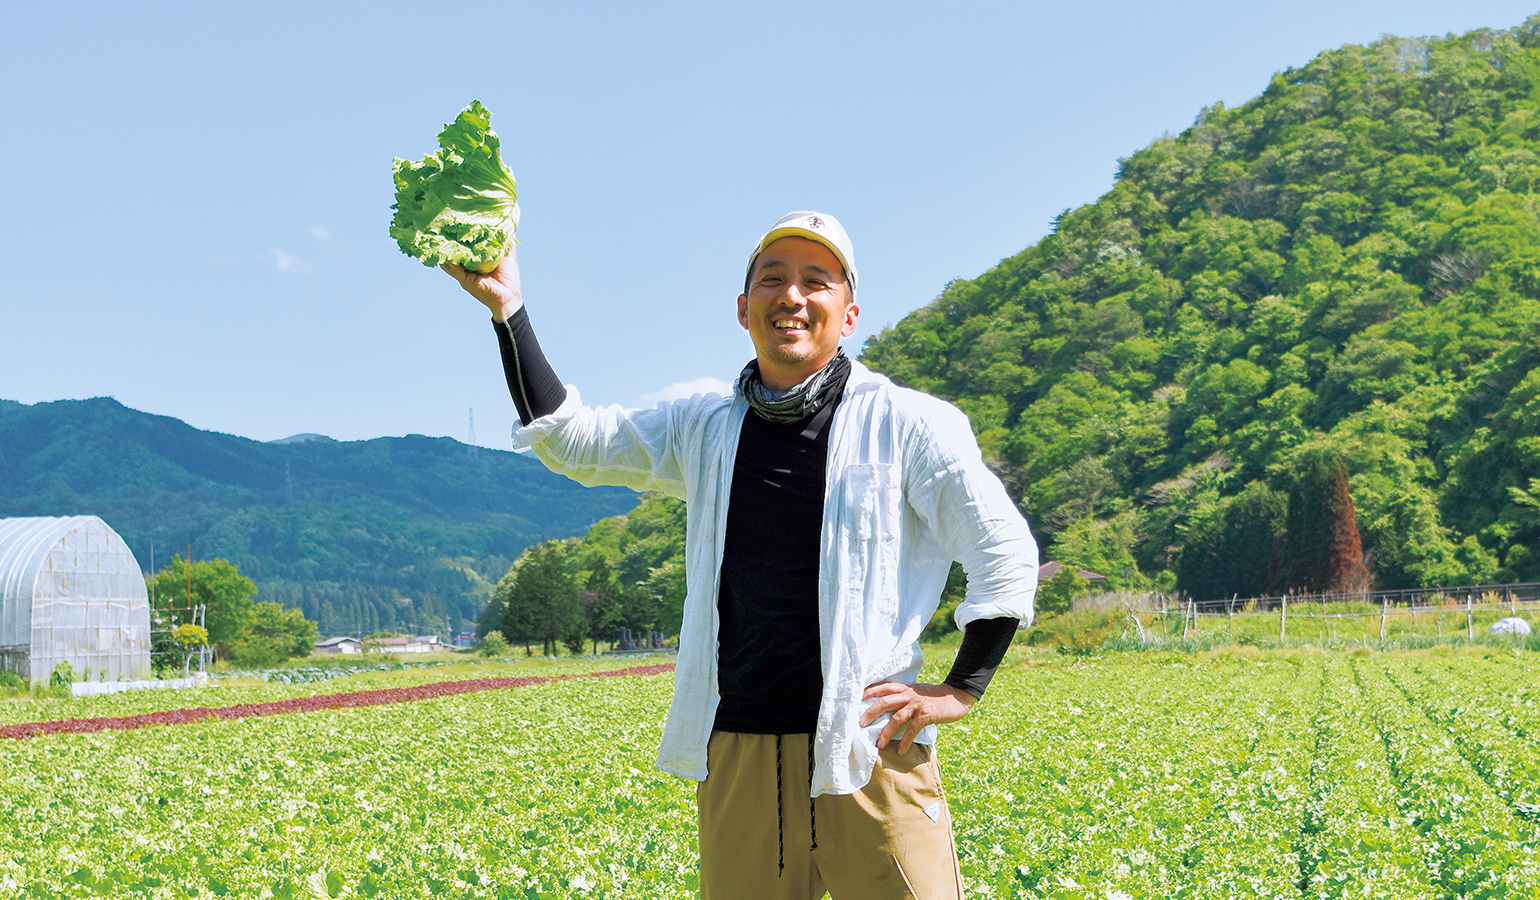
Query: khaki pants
{"points": [[892, 839]]}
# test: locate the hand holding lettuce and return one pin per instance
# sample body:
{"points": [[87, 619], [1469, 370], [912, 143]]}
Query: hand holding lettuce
{"points": [[459, 205]]}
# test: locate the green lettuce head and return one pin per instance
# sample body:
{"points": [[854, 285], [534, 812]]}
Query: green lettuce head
{"points": [[459, 205]]}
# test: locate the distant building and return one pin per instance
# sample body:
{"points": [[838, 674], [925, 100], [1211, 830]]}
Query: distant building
{"points": [[339, 645], [427, 643], [71, 592]]}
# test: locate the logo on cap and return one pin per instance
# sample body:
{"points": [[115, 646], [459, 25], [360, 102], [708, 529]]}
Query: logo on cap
{"points": [[815, 223]]}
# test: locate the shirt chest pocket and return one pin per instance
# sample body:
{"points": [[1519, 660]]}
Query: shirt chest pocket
{"points": [[871, 512], [871, 501]]}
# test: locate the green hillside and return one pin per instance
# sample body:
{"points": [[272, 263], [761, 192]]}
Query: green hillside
{"points": [[392, 533], [1345, 268]]}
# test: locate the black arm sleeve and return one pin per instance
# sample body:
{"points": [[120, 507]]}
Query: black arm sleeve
{"points": [[983, 646], [535, 388]]}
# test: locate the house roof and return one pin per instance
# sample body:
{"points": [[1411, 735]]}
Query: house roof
{"points": [[1051, 568]]}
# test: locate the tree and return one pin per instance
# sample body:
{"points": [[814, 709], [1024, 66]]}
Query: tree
{"points": [[603, 603], [275, 634], [1235, 553], [189, 639], [665, 588], [492, 644], [490, 619], [225, 597], [1056, 595], [1322, 551], [1104, 546], [539, 599]]}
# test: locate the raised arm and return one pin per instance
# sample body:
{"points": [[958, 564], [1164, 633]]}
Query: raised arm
{"points": [[532, 383]]}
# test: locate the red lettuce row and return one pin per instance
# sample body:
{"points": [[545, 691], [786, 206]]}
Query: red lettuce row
{"points": [[305, 704]]}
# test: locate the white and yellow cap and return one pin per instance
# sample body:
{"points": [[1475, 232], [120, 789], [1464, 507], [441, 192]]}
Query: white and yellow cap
{"points": [[814, 226]]}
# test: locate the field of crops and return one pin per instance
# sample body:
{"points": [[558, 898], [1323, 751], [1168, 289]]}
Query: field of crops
{"points": [[1251, 773]]}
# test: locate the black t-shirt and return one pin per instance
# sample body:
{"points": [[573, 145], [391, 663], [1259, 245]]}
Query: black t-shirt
{"points": [[769, 666]]}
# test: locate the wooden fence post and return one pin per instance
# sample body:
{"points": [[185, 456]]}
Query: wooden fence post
{"points": [[1383, 612], [1283, 615], [1134, 614], [1470, 629]]}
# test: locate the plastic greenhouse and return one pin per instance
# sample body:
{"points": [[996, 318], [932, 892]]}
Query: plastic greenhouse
{"points": [[71, 591]]}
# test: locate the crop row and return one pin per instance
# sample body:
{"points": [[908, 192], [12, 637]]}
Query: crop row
{"points": [[1358, 841], [1488, 736], [1477, 847]]}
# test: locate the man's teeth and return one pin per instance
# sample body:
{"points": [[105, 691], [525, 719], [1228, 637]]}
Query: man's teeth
{"points": [[785, 323]]}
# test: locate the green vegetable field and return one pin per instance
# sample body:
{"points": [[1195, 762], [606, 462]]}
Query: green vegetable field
{"points": [[1247, 773]]}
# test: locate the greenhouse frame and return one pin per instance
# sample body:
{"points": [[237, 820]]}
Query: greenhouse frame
{"points": [[71, 591]]}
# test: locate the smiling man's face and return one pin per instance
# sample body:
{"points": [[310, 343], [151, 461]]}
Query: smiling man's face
{"points": [[797, 308]]}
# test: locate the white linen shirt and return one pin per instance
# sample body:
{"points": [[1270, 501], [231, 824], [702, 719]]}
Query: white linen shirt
{"points": [[906, 493]]}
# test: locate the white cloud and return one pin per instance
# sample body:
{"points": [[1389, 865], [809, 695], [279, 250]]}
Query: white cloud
{"points": [[681, 389], [284, 261], [320, 232]]}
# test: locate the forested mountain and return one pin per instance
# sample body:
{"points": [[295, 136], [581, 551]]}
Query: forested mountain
{"points": [[392, 533], [1345, 269]]}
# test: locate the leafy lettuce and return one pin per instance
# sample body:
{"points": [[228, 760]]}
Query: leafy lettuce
{"points": [[459, 205]]}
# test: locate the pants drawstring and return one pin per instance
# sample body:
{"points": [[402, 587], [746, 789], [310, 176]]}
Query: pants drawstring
{"points": [[780, 805], [780, 814], [811, 818]]}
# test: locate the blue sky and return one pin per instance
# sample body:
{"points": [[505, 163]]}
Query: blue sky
{"points": [[198, 199]]}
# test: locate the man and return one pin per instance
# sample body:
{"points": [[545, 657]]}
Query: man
{"points": [[824, 507]]}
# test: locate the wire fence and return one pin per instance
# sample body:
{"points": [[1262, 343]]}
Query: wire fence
{"points": [[1472, 609]]}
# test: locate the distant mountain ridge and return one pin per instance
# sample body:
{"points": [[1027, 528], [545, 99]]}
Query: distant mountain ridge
{"points": [[391, 533]]}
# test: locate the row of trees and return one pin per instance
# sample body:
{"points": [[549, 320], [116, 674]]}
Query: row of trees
{"points": [[625, 576], [1305, 539], [212, 595]]}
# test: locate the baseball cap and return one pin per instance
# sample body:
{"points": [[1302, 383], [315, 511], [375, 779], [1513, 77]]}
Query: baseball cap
{"points": [[814, 226]]}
